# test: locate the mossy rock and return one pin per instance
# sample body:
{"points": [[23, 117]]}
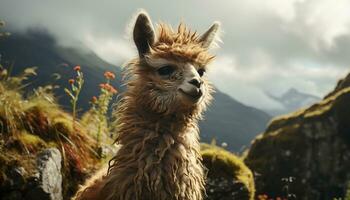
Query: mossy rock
{"points": [[305, 154], [227, 177]]}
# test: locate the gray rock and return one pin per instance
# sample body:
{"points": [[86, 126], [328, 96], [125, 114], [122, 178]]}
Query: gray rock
{"points": [[48, 181]]}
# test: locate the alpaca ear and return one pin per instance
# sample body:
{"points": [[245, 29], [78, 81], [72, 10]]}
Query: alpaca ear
{"points": [[143, 34], [208, 37]]}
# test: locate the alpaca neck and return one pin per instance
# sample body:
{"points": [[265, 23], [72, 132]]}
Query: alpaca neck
{"points": [[160, 156]]}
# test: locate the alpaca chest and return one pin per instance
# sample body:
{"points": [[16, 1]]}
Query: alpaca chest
{"points": [[158, 161], [173, 172]]}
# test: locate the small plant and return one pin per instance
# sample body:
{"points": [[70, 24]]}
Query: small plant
{"points": [[76, 86], [101, 103]]}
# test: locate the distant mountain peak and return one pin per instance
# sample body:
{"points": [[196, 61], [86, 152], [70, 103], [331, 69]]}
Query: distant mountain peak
{"points": [[293, 100], [292, 91]]}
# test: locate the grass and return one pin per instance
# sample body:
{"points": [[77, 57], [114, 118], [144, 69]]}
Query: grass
{"points": [[30, 123]]}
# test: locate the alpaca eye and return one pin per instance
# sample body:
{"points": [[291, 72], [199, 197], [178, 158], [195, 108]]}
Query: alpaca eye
{"points": [[201, 72], [166, 70]]}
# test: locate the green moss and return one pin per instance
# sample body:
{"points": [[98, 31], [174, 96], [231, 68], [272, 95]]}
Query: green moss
{"points": [[62, 125], [227, 167], [32, 142], [313, 112]]}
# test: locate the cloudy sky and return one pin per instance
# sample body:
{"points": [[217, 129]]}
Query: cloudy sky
{"points": [[268, 46]]}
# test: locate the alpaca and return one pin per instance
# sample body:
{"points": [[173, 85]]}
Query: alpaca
{"points": [[167, 91]]}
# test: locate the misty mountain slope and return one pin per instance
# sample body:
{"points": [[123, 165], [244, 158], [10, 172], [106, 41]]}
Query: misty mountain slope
{"points": [[227, 120], [40, 49], [230, 121], [292, 100]]}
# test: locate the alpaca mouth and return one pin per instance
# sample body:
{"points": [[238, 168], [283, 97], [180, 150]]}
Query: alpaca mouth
{"points": [[193, 95]]}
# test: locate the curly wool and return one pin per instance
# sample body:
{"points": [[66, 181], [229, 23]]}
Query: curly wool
{"points": [[159, 158]]}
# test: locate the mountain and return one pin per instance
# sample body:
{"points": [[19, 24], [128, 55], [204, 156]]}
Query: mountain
{"points": [[231, 122], [307, 151], [38, 48], [227, 120], [292, 100]]}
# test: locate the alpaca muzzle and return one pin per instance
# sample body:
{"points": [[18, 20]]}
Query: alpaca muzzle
{"points": [[193, 94]]}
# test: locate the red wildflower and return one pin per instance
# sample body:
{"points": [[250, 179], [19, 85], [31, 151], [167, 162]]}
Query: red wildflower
{"points": [[71, 81], [109, 75], [94, 99], [113, 90], [108, 87], [103, 86], [77, 68]]}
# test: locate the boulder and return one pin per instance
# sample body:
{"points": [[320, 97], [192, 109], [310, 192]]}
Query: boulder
{"points": [[227, 176], [47, 183], [306, 154]]}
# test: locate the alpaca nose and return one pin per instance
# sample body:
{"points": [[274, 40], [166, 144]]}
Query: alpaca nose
{"points": [[196, 82]]}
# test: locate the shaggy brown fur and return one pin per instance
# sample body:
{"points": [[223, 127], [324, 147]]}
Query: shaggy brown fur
{"points": [[182, 45], [159, 156]]}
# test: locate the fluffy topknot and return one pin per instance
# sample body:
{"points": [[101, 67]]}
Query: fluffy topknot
{"points": [[181, 45]]}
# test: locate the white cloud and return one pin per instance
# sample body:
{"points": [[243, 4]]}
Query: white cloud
{"points": [[248, 83], [269, 45], [329, 19], [322, 21], [285, 9], [240, 82], [113, 50]]}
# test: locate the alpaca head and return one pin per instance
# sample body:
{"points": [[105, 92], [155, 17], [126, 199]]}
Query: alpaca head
{"points": [[170, 71]]}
